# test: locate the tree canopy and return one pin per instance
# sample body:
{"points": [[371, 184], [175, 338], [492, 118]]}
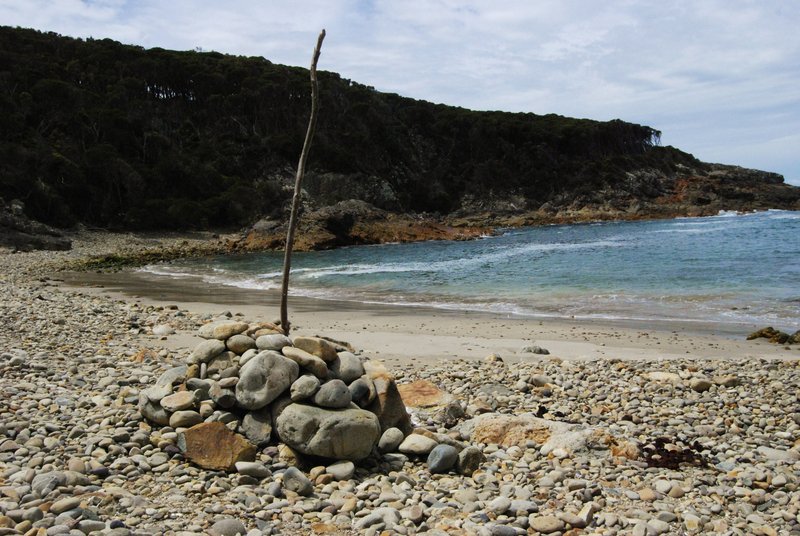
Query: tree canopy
{"points": [[117, 136]]}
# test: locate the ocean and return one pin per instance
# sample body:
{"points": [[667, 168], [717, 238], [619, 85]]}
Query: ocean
{"points": [[727, 269]]}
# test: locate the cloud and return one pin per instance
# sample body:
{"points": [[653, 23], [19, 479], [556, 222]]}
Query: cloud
{"points": [[718, 77]]}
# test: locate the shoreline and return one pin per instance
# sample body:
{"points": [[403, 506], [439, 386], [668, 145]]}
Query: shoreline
{"points": [[74, 361], [427, 334]]}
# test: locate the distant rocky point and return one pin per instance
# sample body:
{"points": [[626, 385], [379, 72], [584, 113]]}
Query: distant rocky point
{"points": [[20, 233]]}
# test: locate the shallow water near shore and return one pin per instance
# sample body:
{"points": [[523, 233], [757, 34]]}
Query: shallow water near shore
{"points": [[728, 269]]}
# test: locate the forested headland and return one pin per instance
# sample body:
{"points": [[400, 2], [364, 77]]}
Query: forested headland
{"points": [[119, 137]]}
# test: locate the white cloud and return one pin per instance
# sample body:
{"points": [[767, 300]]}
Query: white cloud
{"points": [[718, 77]]}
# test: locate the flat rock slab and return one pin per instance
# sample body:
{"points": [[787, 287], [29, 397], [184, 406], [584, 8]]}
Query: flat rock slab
{"points": [[318, 347], [222, 330], [510, 430], [213, 446], [423, 394]]}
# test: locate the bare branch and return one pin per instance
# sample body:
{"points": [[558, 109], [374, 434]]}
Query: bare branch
{"points": [[301, 169]]}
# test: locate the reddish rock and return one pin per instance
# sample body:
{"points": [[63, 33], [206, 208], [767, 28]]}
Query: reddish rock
{"points": [[423, 394], [213, 446]]}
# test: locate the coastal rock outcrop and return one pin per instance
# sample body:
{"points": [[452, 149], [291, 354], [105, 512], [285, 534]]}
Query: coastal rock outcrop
{"points": [[775, 336], [19, 232]]}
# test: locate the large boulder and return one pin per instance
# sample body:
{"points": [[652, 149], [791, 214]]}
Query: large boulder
{"points": [[343, 434], [387, 405], [264, 378]]}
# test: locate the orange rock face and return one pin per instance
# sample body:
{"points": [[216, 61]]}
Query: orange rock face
{"points": [[508, 430], [388, 404], [423, 394], [213, 446]]}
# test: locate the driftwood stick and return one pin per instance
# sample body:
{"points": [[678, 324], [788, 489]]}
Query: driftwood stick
{"points": [[301, 169]]}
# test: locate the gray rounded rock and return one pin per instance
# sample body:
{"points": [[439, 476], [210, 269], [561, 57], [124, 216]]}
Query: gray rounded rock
{"points": [[239, 344], [344, 434], [257, 426], [264, 378], [390, 440], [333, 394], [254, 469], [304, 387], [44, 483], [224, 398], [227, 527], [442, 458], [294, 480], [179, 401], [469, 460], [309, 362], [274, 342], [417, 445], [222, 329], [206, 350], [152, 411], [221, 362], [185, 419], [343, 470], [362, 391], [546, 524], [172, 376], [347, 367]]}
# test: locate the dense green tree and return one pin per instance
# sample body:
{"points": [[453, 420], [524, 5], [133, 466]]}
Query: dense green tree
{"points": [[118, 136]]}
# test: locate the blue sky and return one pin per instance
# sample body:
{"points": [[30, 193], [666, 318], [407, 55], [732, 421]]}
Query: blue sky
{"points": [[719, 78]]}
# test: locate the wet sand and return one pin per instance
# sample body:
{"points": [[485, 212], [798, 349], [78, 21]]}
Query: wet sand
{"points": [[420, 334]]}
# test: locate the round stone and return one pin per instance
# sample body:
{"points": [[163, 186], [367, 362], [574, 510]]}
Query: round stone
{"points": [[304, 387], [442, 458], [185, 419], [390, 440], [333, 394]]}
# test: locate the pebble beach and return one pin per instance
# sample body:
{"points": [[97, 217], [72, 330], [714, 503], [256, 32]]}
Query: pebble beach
{"points": [[644, 432]]}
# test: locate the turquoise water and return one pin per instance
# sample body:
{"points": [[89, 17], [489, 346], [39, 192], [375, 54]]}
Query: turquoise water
{"points": [[724, 269]]}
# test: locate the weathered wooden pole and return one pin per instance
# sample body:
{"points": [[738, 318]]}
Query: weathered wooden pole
{"points": [[301, 169]]}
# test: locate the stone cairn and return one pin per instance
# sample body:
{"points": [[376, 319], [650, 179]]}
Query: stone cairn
{"points": [[246, 386]]}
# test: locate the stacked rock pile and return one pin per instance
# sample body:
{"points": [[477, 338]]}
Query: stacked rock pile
{"points": [[248, 385]]}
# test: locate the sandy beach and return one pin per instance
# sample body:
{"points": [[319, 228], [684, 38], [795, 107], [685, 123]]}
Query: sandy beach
{"points": [[425, 335], [77, 349]]}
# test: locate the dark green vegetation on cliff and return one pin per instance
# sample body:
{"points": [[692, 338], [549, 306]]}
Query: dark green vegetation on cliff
{"points": [[118, 136]]}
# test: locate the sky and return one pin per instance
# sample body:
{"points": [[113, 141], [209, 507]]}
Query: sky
{"points": [[719, 78]]}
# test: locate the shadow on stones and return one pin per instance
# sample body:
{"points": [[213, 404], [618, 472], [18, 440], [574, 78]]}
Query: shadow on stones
{"points": [[671, 454]]}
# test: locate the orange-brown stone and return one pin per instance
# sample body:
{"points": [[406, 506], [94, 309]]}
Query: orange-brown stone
{"points": [[423, 394], [214, 446]]}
